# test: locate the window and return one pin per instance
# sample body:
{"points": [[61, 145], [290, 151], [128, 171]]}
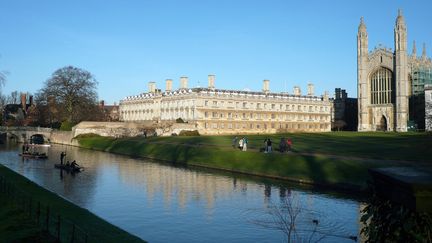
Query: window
{"points": [[206, 103], [205, 114], [273, 106], [381, 84], [258, 105], [214, 103], [244, 105]]}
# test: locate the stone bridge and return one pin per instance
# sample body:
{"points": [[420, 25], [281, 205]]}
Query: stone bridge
{"points": [[23, 134], [111, 129]]}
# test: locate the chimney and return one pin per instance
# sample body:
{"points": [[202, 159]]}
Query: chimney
{"points": [[325, 96], [266, 86], [183, 82], [23, 101], [211, 81], [31, 100], [151, 87], [311, 89], [297, 90], [344, 94], [338, 93], [168, 85]]}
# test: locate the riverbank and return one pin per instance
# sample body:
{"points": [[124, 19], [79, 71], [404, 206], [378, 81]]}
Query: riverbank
{"points": [[338, 160], [16, 226], [74, 221]]}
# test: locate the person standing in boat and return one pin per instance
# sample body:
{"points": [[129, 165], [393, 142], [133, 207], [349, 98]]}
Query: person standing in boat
{"points": [[62, 156]]}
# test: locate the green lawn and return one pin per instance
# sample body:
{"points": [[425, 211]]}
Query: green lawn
{"points": [[380, 145], [16, 225], [341, 158]]}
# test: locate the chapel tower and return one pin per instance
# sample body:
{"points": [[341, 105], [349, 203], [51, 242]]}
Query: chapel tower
{"points": [[401, 74], [362, 76]]}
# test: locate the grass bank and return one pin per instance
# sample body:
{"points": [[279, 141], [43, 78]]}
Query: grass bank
{"points": [[18, 216], [16, 226], [330, 159]]}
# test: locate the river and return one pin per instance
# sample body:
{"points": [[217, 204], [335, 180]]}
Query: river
{"points": [[159, 202]]}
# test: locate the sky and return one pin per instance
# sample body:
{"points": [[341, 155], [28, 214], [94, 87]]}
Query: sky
{"points": [[126, 44]]}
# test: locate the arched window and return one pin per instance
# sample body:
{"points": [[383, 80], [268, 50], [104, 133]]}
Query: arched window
{"points": [[382, 86]]}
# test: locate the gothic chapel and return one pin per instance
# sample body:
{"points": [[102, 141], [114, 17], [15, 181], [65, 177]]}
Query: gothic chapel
{"points": [[384, 80]]}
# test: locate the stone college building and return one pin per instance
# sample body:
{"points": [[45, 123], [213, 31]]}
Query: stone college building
{"points": [[390, 83], [221, 111]]}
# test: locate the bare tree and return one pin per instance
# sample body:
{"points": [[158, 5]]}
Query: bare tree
{"points": [[2, 79], [13, 97], [73, 91]]}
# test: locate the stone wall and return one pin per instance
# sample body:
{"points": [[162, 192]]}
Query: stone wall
{"points": [[428, 108], [62, 137], [176, 128], [113, 129]]}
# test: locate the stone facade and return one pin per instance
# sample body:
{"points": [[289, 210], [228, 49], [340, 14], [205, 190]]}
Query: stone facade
{"points": [[344, 112], [384, 80], [428, 108], [219, 111]]}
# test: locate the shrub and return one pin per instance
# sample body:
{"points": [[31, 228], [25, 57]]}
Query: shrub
{"points": [[189, 133], [66, 126], [179, 120]]}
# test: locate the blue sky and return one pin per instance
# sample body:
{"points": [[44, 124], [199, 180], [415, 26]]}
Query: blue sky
{"points": [[126, 44]]}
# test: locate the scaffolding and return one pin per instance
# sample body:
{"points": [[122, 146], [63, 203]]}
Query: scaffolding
{"points": [[420, 77]]}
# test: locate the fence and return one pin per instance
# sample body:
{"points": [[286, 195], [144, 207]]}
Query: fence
{"points": [[61, 228]]}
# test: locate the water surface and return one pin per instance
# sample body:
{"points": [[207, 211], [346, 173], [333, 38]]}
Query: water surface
{"points": [[164, 203]]}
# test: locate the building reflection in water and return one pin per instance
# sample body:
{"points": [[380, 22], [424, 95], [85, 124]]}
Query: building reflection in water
{"points": [[149, 192]]}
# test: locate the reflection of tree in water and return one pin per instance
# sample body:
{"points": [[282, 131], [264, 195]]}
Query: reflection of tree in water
{"points": [[298, 222]]}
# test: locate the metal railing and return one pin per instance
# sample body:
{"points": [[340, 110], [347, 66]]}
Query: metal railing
{"points": [[43, 215]]}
